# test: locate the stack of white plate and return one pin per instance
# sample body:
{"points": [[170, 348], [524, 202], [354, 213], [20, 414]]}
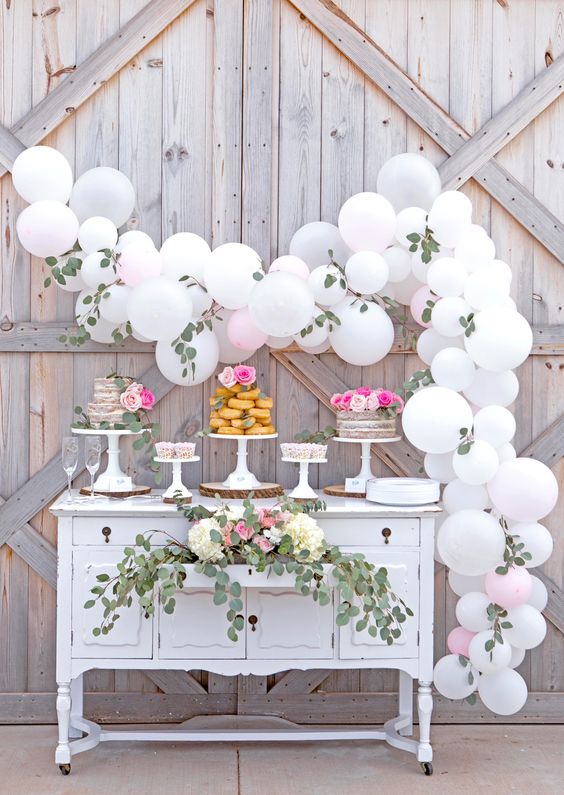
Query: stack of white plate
{"points": [[403, 491]]}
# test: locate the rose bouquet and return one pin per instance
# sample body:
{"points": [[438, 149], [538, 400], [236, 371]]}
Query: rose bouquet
{"points": [[283, 539], [381, 401]]}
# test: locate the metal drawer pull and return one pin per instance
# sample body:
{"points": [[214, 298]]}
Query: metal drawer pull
{"points": [[106, 532], [386, 532], [253, 621]]}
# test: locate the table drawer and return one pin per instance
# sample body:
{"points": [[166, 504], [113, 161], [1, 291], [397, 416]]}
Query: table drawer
{"points": [[116, 531], [385, 532]]}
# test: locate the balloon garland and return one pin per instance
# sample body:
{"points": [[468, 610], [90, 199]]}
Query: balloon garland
{"points": [[408, 245]]}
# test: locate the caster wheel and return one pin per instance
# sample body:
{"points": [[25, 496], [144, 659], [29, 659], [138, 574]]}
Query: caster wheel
{"points": [[427, 768], [65, 769]]}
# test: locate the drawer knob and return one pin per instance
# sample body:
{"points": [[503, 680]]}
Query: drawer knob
{"points": [[106, 532], [386, 532], [253, 621]]}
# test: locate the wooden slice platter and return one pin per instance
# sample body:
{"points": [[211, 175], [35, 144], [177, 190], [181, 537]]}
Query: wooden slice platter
{"points": [[136, 491], [338, 490], [172, 501], [262, 492]]}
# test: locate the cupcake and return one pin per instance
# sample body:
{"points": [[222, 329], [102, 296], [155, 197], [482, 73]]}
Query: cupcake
{"points": [[184, 450], [164, 449]]}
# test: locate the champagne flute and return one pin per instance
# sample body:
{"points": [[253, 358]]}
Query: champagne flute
{"points": [[70, 460], [92, 453]]}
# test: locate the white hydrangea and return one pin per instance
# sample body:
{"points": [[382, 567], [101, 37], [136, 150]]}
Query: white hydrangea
{"points": [[274, 535], [305, 534], [200, 543]]}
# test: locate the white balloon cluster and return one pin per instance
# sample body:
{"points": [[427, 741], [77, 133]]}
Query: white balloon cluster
{"points": [[408, 244]]}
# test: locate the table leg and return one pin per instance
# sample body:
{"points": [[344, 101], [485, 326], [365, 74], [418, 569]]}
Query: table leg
{"points": [[76, 692], [63, 753], [406, 701], [424, 710]]}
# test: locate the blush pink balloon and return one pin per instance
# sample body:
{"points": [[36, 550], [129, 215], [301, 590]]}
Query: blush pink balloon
{"points": [[419, 304], [137, 262], [290, 264], [511, 589], [458, 640], [242, 332]]}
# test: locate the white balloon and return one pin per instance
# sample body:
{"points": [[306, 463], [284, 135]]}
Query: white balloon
{"points": [[201, 299], [73, 284], [406, 289], [184, 254], [500, 269], [439, 467], [524, 489], [47, 228], [484, 289], [228, 353], [452, 679], [450, 218], [433, 417], [367, 272], [317, 336], [388, 291], [430, 342], [362, 338], [93, 274], [228, 274], [103, 331], [42, 172], [539, 594], [133, 236], [446, 277], [529, 627], [281, 304], [290, 264], [158, 309], [504, 692], [97, 233], [103, 191], [399, 263], [312, 244], [446, 314], [461, 584], [421, 269], [502, 340], [472, 611], [475, 249], [461, 496], [488, 662], [322, 348], [494, 424], [367, 222], [323, 294], [537, 539], [276, 343], [471, 542], [408, 179], [205, 361], [517, 657], [113, 306], [487, 388], [478, 466], [409, 221], [506, 452], [452, 368]]}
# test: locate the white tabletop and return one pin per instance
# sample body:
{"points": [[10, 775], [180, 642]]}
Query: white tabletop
{"points": [[152, 505]]}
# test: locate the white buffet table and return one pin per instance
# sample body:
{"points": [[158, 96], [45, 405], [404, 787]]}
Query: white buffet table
{"points": [[284, 630]]}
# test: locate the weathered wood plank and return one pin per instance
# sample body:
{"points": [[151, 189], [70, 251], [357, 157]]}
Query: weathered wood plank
{"points": [[179, 682], [10, 147], [37, 552], [379, 67], [554, 609], [300, 681], [548, 447]]}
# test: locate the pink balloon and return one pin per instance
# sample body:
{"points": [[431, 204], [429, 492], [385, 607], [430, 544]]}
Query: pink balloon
{"points": [[511, 589], [137, 262], [242, 332], [458, 640], [419, 304], [290, 264]]}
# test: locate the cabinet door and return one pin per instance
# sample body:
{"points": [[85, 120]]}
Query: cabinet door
{"points": [[132, 635], [197, 629], [283, 624], [403, 573]]}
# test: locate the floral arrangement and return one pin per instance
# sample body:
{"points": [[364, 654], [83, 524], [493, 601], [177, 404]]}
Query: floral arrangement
{"points": [[241, 374], [284, 538], [385, 402]]}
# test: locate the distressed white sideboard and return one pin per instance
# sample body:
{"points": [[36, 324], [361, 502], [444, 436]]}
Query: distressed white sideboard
{"points": [[283, 629]]}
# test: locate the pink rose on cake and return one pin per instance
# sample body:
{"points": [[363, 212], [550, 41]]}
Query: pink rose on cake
{"points": [[336, 400], [358, 402], [364, 390], [346, 401], [372, 402], [227, 377], [245, 375], [147, 399], [385, 398], [399, 401], [130, 398]]}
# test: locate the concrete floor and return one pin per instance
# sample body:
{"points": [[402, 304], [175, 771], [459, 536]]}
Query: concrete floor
{"points": [[468, 759]]}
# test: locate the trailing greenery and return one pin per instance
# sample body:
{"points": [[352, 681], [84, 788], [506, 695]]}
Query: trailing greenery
{"points": [[317, 437], [466, 441], [515, 553], [426, 242], [467, 324], [419, 379]]}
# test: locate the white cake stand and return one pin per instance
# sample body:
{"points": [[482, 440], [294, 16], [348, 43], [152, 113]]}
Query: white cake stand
{"points": [[356, 486], [303, 490], [113, 480], [177, 487], [241, 480]]}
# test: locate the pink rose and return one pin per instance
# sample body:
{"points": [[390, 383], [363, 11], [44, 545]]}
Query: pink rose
{"points": [[147, 399], [358, 403], [245, 375], [131, 399], [364, 390], [266, 518], [385, 398], [263, 543], [226, 533], [346, 401], [336, 400], [372, 402], [398, 399], [227, 377], [244, 532]]}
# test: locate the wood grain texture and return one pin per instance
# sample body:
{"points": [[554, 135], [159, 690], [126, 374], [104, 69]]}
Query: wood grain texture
{"points": [[10, 148], [177, 682], [300, 681]]}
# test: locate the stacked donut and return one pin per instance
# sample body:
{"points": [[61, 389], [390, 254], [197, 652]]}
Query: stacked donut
{"points": [[240, 408]]}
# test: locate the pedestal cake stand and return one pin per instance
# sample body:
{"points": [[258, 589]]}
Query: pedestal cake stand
{"points": [[177, 487], [303, 490], [241, 481], [356, 486], [113, 482]]}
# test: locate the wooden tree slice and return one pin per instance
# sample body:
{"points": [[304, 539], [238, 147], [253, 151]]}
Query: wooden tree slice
{"points": [[338, 490], [172, 501], [262, 492], [136, 491]]}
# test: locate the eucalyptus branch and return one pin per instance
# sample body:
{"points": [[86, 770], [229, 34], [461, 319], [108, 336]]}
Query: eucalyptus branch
{"points": [[496, 615], [465, 662], [466, 441], [396, 312], [515, 553], [419, 379], [426, 242]]}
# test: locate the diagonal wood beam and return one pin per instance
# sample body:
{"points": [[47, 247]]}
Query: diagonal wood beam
{"points": [[36, 550], [298, 681], [40, 489], [91, 75], [179, 682], [378, 67], [10, 147], [548, 447], [403, 459]]}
